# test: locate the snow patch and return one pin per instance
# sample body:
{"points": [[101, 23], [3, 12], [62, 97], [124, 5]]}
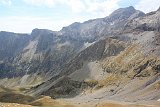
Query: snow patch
{"points": [[112, 23], [87, 44], [60, 45]]}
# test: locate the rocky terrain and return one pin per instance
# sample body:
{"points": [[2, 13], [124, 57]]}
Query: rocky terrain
{"points": [[106, 62]]}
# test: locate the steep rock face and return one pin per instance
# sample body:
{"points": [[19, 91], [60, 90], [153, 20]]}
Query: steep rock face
{"points": [[150, 22], [117, 20], [35, 57], [96, 28], [122, 14], [12, 44], [42, 51]]}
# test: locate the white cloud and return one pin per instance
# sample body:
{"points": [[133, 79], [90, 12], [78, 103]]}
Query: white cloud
{"points": [[84, 9], [148, 5], [99, 8], [76, 5], [24, 24], [48, 3], [6, 2]]}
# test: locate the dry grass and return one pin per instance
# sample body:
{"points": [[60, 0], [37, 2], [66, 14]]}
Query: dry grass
{"points": [[10, 97], [123, 61], [48, 102], [157, 85], [91, 82], [123, 105], [14, 105], [110, 105], [111, 79]]}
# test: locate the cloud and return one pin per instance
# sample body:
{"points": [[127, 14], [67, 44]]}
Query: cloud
{"points": [[147, 5], [99, 8], [76, 5], [48, 3], [81, 10], [25, 24], [6, 2]]}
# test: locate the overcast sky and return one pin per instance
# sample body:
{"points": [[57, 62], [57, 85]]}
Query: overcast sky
{"points": [[21, 16]]}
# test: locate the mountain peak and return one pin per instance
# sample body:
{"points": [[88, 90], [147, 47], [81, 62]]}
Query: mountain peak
{"points": [[158, 9], [122, 13], [130, 7], [36, 30]]}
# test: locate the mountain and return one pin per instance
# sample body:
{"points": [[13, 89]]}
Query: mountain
{"points": [[150, 22], [71, 38], [113, 58], [96, 28]]}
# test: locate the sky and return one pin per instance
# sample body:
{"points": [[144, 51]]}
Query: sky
{"points": [[21, 16]]}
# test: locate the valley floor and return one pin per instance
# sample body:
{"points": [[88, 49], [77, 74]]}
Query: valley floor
{"points": [[13, 98], [61, 103], [104, 102]]}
